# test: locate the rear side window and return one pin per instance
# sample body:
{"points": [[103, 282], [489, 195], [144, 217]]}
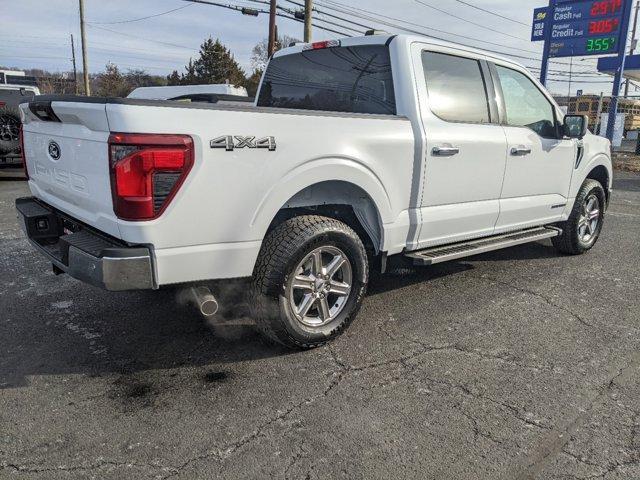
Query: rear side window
{"points": [[341, 79], [456, 87]]}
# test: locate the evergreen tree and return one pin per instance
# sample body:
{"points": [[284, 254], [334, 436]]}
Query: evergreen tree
{"points": [[190, 78], [173, 79], [217, 65], [112, 83], [253, 82]]}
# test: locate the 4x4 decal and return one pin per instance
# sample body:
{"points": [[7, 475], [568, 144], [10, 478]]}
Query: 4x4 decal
{"points": [[230, 143]]}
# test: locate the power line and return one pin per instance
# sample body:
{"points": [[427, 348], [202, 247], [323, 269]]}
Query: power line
{"points": [[37, 56], [344, 9], [495, 14], [316, 25], [470, 22], [367, 27], [223, 5], [367, 16], [141, 18], [293, 13], [41, 46], [292, 17], [143, 38]]}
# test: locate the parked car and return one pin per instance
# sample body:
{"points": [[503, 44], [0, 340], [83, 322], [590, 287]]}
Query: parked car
{"points": [[357, 152], [15, 88]]}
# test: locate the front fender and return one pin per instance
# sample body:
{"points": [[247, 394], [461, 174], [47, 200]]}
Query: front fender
{"points": [[586, 167]]}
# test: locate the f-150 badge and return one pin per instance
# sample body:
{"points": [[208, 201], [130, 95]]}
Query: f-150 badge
{"points": [[230, 143]]}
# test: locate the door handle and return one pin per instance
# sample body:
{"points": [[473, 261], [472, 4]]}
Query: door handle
{"points": [[445, 151], [520, 151]]}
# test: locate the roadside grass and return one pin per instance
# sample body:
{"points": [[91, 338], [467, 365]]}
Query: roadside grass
{"points": [[626, 162]]}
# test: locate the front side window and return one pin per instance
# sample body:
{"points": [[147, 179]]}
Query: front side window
{"points": [[340, 79], [456, 88], [525, 104]]}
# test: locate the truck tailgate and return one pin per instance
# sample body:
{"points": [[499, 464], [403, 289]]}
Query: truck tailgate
{"points": [[67, 158]]}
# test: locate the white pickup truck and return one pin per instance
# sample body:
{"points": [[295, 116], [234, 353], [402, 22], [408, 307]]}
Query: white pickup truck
{"points": [[355, 151]]}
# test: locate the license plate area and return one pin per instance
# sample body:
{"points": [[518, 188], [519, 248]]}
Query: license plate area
{"points": [[69, 227]]}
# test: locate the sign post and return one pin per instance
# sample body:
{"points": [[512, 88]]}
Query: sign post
{"points": [[617, 80], [547, 42]]}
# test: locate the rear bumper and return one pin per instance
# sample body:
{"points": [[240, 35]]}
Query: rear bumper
{"points": [[83, 253]]}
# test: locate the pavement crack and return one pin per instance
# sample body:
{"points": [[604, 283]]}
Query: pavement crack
{"points": [[548, 300], [260, 431], [516, 412], [555, 442], [458, 348], [75, 468], [301, 453], [477, 431]]}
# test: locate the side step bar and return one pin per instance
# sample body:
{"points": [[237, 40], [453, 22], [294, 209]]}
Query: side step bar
{"points": [[431, 256]]}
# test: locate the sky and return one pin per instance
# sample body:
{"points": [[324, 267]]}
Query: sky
{"points": [[36, 33]]}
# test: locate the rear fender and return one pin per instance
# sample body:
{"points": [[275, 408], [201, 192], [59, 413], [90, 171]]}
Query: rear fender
{"points": [[345, 170]]}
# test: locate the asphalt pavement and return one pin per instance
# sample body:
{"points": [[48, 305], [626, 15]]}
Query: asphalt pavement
{"points": [[519, 364]]}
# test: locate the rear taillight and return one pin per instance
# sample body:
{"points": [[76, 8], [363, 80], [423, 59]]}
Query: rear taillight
{"points": [[23, 155], [147, 171]]}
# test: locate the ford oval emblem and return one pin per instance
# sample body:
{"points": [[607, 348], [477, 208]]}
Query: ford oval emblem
{"points": [[54, 150]]}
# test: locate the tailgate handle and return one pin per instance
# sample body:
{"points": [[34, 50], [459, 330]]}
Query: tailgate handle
{"points": [[44, 111]]}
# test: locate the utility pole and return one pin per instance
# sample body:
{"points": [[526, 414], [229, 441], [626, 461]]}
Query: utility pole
{"points": [[85, 61], [272, 28], [308, 13], [75, 71], [634, 42]]}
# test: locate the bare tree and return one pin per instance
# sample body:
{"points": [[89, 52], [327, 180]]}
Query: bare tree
{"points": [[260, 55]]}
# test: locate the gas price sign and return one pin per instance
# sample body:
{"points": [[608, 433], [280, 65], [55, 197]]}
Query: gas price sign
{"points": [[580, 28]]}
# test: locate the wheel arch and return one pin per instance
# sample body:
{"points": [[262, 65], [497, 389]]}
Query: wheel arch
{"points": [[600, 174], [341, 200], [597, 168], [333, 187]]}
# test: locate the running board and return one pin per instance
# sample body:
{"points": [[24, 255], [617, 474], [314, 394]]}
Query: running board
{"points": [[431, 256]]}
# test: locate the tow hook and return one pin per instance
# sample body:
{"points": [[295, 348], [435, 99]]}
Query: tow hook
{"points": [[203, 300]]}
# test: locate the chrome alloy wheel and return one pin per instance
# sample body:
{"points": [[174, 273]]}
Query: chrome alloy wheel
{"points": [[589, 219], [321, 286]]}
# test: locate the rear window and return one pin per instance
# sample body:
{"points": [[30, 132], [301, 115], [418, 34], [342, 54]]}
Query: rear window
{"points": [[341, 79]]}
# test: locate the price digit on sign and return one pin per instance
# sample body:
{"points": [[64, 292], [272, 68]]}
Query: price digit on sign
{"points": [[605, 7]]}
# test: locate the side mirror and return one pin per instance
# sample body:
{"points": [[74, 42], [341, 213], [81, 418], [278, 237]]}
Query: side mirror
{"points": [[575, 126]]}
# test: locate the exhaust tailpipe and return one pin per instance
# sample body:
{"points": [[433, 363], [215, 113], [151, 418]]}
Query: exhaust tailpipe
{"points": [[203, 300]]}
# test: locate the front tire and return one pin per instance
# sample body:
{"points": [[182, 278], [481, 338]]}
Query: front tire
{"points": [[309, 282], [581, 231]]}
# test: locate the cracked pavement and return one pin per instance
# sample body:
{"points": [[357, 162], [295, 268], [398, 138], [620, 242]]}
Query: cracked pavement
{"points": [[516, 365]]}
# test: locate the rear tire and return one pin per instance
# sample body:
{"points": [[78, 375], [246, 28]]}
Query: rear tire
{"points": [[309, 281], [581, 231], [9, 131]]}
